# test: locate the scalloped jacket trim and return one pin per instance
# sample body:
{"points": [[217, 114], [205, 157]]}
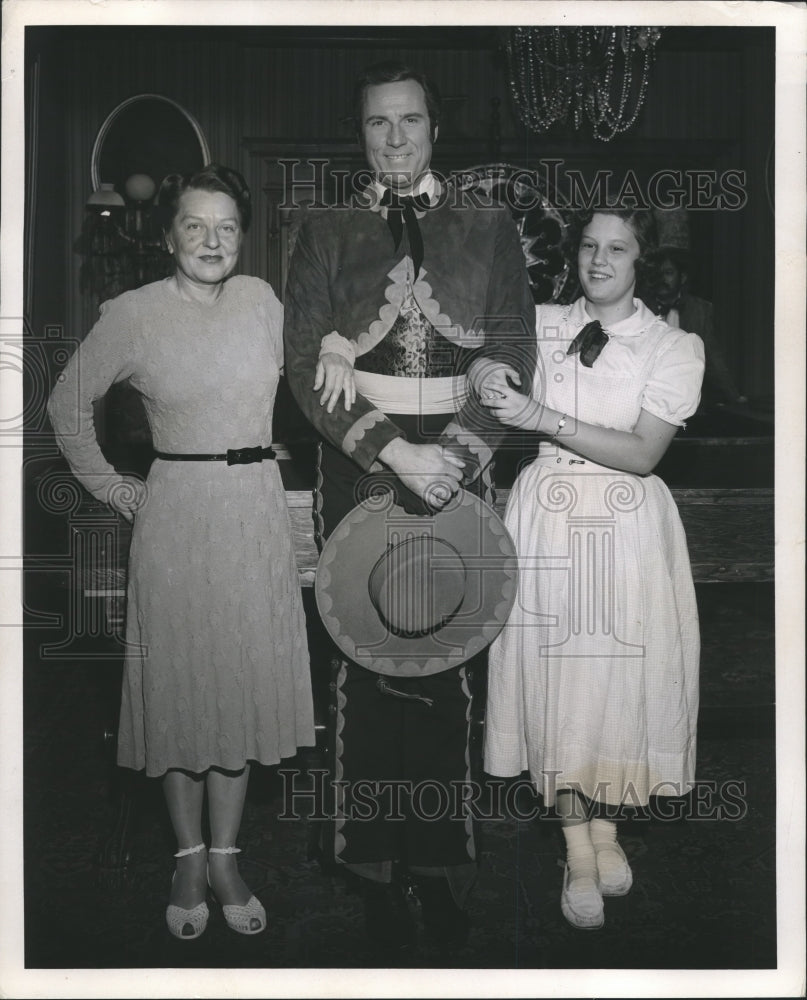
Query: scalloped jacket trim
{"points": [[359, 429]]}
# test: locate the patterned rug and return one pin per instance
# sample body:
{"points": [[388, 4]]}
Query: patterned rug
{"points": [[704, 895]]}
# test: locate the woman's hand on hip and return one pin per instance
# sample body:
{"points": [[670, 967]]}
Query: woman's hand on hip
{"points": [[127, 496]]}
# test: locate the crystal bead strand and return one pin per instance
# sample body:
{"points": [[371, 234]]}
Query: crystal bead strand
{"points": [[556, 73]]}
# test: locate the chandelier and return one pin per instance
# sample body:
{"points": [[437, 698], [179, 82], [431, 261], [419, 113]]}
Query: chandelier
{"points": [[562, 73]]}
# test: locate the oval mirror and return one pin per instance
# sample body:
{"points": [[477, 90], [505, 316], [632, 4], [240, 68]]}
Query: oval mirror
{"points": [[147, 134]]}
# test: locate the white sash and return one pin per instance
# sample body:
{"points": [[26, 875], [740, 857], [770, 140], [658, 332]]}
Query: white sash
{"points": [[395, 394]]}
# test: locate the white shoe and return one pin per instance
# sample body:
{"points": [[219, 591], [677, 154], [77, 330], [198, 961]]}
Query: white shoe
{"points": [[187, 924], [247, 919], [581, 902], [617, 878]]}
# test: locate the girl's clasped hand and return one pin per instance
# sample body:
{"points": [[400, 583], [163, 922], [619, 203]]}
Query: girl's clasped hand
{"points": [[512, 407]]}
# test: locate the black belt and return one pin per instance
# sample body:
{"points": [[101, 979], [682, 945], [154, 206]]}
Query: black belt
{"points": [[233, 456]]}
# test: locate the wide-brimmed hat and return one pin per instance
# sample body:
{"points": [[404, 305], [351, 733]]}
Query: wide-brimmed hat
{"points": [[410, 595]]}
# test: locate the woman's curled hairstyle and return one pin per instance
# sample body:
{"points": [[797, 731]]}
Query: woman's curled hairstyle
{"points": [[642, 223], [212, 177]]}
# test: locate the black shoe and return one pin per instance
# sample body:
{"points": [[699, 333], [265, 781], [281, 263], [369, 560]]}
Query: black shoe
{"points": [[390, 928], [445, 924]]}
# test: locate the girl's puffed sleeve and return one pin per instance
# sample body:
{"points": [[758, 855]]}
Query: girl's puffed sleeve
{"points": [[104, 357], [673, 389]]}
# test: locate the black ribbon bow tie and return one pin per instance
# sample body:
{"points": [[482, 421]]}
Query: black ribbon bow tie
{"points": [[401, 210], [590, 341]]}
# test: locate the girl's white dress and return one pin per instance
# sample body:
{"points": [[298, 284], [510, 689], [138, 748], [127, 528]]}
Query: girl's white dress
{"points": [[593, 683]]}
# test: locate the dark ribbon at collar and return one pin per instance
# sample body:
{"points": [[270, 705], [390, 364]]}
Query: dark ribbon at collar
{"points": [[589, 342], [400, 211]]}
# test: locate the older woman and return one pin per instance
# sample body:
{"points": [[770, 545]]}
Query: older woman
{"points": [[593, 683], [217, 671]]}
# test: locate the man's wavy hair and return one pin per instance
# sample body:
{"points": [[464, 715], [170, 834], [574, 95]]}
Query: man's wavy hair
{"points": [[212, 177], [642, 224], [394, 71]]}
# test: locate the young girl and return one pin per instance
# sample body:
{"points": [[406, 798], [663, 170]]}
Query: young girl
{"points": [[593, 683]]}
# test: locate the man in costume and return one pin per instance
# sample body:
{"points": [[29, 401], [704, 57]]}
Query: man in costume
{"points": [[420, 293]]}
